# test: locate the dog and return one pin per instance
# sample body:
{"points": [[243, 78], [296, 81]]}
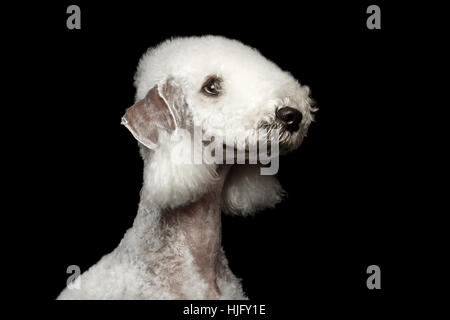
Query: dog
{"points": [[231, 92]]}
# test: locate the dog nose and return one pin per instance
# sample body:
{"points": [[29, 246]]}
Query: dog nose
{"points": [[290, 117]]}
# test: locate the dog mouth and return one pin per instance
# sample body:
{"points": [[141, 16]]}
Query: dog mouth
{"points": [[267, 148], [247, 154], [269, 140], [288, 138]]}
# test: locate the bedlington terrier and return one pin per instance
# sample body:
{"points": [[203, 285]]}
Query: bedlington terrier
{"points": [[229, 90]]}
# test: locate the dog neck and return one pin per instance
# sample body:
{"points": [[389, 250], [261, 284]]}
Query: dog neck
{"points": [[197, 224]]}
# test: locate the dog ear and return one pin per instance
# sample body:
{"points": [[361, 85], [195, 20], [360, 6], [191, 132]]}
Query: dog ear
{"points": [[163, 108]]}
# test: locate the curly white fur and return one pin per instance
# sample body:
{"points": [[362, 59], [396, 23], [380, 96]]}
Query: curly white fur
{"points": [[173, 250], [254, 87]]}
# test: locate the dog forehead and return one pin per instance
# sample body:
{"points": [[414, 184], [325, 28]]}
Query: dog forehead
{"points": [[209, 51], [222, 57], [195, 58]]}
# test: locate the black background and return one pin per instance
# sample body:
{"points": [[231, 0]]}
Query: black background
{"points": [[350, 185]]}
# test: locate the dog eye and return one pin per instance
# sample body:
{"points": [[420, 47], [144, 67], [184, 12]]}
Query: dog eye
{"points": [[212, 87]]}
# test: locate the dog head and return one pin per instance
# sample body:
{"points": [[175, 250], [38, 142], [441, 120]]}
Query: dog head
{"points": [[229, 91]]}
